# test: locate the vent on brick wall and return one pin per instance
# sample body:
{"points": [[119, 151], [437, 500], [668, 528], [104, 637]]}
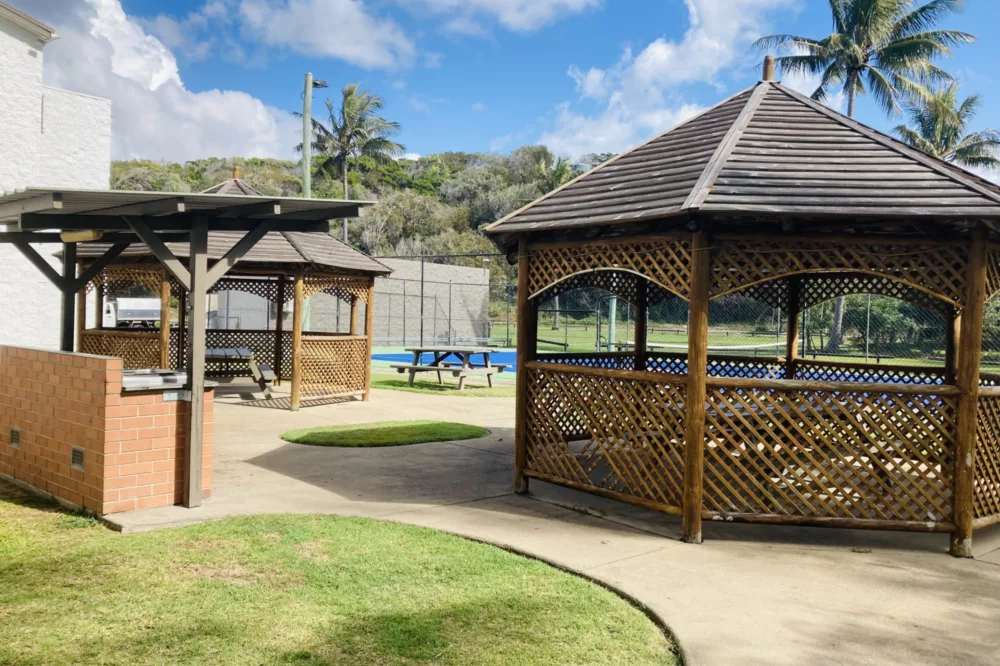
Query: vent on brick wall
{"points": [[76, 458], [15, 437]]}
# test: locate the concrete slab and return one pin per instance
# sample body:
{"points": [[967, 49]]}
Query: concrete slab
{"points": [[748, 595]]}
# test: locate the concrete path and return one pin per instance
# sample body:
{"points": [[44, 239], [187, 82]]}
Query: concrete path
{"points": [[748, 595]]}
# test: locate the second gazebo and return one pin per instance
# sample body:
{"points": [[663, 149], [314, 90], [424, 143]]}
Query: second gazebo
{"points": [[282, 267]]}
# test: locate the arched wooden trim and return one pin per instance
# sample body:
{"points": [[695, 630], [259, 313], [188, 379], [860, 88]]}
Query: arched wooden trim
{"points": [[937, 268], [549, 287], [810, 273], [663, 260]]}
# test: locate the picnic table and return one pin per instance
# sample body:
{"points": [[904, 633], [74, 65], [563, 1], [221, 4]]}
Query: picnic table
{"points": [[456, 360], [262, 373]]}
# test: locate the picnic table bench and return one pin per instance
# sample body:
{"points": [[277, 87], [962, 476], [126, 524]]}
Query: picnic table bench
{"points": [[456, 360], [262, 373]]}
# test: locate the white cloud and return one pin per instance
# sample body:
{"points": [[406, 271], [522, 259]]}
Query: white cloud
{"points": [[478, 106], [103, 52], [642, 94], [328, 28], [466, 26], [413, 157], [517, 15], [592, 83]]}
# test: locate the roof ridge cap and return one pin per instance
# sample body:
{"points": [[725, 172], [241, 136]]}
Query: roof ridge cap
{"points": [[297, 247], [706, 181], [945, 169], [614, 159]]}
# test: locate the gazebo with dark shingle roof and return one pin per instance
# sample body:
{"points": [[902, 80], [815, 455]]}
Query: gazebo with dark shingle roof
{"points": [[774, 196]]}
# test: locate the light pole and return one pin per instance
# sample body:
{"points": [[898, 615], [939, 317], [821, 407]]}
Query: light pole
{"points": [[307, 133]]}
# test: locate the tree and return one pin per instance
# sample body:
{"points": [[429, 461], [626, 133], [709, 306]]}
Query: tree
{"points": [[596, 159], [939, 125], [560, 173], [882, 47], [356, 133]]}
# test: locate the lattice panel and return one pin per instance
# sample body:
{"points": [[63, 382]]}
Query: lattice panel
{"points": [[937, 269], [344, 287], [267, 289], [261, 343], [825, 371], [625, 436], [606, 360], [115, 279], [818, 289], [621, 284], [986, 491], [665, 262], [671, 364], [333, 365], [830, 454], [993, 271], [719, 366], [136, 349]]}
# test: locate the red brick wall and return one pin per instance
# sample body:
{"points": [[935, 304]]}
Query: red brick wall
{"points": [[133, 443]]}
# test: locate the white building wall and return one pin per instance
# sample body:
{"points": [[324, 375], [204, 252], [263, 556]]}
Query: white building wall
{"points": [[67, 146]]}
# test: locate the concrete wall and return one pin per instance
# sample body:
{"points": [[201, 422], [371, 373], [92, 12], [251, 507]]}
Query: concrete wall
{"points": [[133, 443], [66, 145], [456, 303]]}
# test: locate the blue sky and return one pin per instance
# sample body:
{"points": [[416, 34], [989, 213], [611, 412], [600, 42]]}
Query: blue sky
{"points": [[192, 78]]}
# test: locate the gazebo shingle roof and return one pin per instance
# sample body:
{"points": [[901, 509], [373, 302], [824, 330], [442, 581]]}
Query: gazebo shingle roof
{"points": [[766, 150]]}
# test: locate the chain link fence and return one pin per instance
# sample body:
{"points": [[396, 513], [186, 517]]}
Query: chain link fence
{"points": [[472, 299]]}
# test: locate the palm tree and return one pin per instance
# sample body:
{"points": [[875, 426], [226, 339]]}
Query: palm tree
{"points": [[357, 132], [885, 47], [562, 171], [882, 47], [939, 126]]}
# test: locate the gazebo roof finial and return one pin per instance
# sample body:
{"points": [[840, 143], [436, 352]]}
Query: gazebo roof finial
{"points": [[768, 68]]}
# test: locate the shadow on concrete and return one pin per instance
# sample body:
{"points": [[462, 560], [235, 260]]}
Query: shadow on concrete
{"points": [[430, 474], [670, 526]]}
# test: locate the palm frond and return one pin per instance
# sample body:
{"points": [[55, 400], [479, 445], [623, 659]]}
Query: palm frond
{"points": [[914, 139], [924, 17]]}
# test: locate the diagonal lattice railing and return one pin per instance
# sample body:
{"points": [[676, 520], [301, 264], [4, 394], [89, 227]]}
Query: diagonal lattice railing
{"points": [[851, 454]]}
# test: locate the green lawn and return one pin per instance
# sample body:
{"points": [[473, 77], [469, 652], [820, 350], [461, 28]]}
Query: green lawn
{"points": [[294, 590], [397, 382], [385, 433]]}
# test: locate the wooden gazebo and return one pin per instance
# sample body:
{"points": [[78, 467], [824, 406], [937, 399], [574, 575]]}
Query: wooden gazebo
{"points": [[281, 267], [777, 197]]}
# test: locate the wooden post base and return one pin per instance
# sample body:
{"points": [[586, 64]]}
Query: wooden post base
{"points": [[693, 538], [520, 485], [961, 547]]}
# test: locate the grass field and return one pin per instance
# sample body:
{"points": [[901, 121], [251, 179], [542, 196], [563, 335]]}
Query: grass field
{"points": [[385, 433], [397, 382], [294, 590]]}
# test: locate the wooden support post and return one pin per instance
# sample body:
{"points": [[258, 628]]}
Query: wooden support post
{"points": [[68, 328], [182, 330], [641, 322], [297, 307], [279, 330], [952, 334], [81, 317], [527, 338], [694, 429], [369, 331], [99, 305], [165, 321], [198, 271], [967, 379], [792, 328], [354, 317]]}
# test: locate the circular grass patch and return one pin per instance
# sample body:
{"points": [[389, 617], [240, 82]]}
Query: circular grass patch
{"points": [[386, 433], [297, 590]]}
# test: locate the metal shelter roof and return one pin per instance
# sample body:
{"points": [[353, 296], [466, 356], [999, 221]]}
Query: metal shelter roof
{"points": [[35, 207], [766, 151]]}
